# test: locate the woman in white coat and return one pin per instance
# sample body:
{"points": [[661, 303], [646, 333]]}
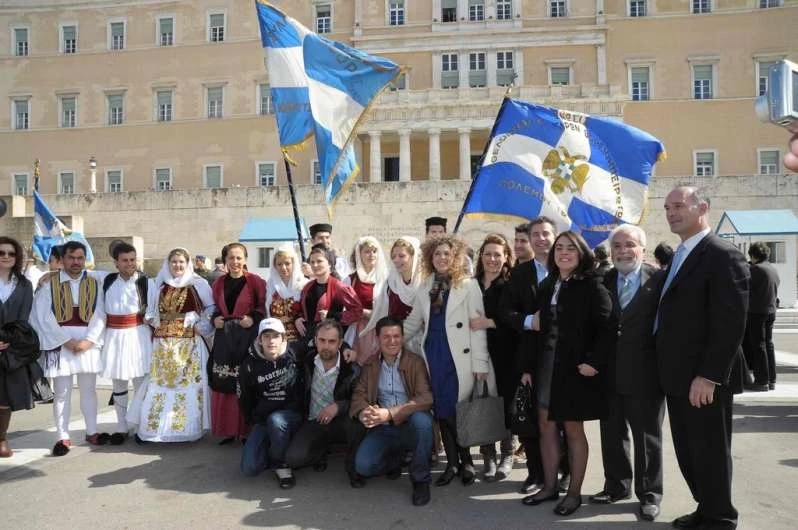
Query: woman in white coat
{"points": [[456, 355]]}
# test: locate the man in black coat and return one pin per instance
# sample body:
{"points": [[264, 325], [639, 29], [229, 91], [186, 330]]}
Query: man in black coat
{"points": [[634, 396], [758, 345], [699, 329]]}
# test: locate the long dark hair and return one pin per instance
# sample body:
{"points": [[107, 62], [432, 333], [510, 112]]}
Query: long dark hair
{"points": [[328, 254], [19, 259], [586, 258], [495, 239]]}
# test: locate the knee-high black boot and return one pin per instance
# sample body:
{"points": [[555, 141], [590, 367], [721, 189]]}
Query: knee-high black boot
{"points": [[5, 419]]}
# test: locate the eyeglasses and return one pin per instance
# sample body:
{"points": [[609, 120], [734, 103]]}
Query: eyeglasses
{"points": [[9, 253]]}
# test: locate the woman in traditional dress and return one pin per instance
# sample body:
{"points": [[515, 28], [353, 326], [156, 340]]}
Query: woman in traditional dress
{"points": [[240, 298], [404, 277], [174, 403], [284, 290], [456, 355], [368, 281], [16, 300]]}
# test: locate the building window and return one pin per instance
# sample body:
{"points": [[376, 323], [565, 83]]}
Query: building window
{"points": [[504, 9], [764, 4], [637, 8], [475, 160], [22, 114], [477, 75], [66, 183], [505, 71], [769, 161], [702, 81], [396, 12], [476, 10], [264, 257], [212, 176], [705, 164], [558, 8], [113, 179], [778, 251], [323, 18], [265, 99], [163, 101], [20, 184], [702, 6], [69, 111], [69, 39], [449, 11], [116, 109], [400, 83], [266, 174], [763, 69], [215, 101], [640, 83], [316, 172], [117, 36], [163, 179], [391, 169], [216, 27], [166, 31], [560, 75], [21, 42], [450, 77]]}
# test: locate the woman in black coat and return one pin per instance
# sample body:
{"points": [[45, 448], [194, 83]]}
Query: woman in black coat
{"points": [[16, 299], [570, 379]]}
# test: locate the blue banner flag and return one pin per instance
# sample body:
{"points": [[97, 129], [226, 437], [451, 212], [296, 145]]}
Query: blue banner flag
{"points": [[320, 88], [49, 231], [587, 173]]}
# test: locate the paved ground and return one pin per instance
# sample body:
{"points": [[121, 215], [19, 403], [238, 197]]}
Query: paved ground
{"points": [[199, 486]]}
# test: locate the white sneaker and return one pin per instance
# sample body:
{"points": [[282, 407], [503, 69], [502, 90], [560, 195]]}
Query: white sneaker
{"points": [[285, 477]]}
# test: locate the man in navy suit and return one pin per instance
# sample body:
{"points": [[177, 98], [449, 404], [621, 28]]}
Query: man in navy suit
{"points": [[699, 328]]}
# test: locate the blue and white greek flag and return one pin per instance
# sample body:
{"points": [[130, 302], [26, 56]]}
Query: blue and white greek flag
{"points": [[320, 88], [49, 231], [588, 174]]}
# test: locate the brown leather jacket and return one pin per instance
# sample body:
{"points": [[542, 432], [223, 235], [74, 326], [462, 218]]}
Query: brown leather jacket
{"points": [[416, 381]]}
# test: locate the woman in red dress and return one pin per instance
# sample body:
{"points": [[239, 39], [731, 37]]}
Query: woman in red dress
{"points": [[284, 290], [368, 280]]}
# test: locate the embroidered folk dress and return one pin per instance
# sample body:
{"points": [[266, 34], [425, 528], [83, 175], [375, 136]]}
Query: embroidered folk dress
{"points": [[175, 407]]}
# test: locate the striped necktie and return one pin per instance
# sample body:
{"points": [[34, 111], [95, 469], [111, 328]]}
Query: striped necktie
{"points": [[626, 293]]}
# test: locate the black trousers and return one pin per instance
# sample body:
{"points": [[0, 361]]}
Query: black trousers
{"points": [[644, 416], [755, 347], [702, 441], [313, 439], [771, 319], [456, 455]]}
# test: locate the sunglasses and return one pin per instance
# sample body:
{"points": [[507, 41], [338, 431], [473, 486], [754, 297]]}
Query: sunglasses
{"points": [[9, 253]]}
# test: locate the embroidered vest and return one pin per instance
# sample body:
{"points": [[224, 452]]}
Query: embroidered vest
{"points": [[63, 305]]}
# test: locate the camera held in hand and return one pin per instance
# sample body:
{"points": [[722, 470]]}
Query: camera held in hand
{"points": [[779, 105]]}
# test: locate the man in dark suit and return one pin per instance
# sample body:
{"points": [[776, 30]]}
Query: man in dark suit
{"points": [[699, 328], [634, 396], [518, 306], [759, 354]]}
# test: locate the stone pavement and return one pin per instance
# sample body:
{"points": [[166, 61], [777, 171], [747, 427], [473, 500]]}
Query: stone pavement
{"points": [[199, 485]]}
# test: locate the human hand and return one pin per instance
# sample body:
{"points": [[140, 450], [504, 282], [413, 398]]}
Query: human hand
{"points": [[702, 392], [246, 322], [526, 379], [328, 413], [323, 313], [536, 322], [366, 314], [306, 270], [481, 376], [218, 322], [586, 370], [300, 326], [481, 322], [349, 355], [4, 345], [791, 158]]}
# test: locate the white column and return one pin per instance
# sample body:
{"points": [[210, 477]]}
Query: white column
{"points": [[462, 9], [517, 22], [93, 182], [601, 62], [404, 155], [490, 64], [358, 18], [375, 156], [465, 153], [462, 67], [437, 65], [518, 65], [436, 10], [434, 154]]}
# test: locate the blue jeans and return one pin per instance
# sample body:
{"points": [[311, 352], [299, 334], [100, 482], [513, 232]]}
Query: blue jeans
{"points": [[267, 443], [383, 448]]}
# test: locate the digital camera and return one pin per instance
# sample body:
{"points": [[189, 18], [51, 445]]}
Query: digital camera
{"points": [[779, 105]]}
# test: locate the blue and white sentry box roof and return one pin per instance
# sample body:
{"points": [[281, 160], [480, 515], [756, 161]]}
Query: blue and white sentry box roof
{"points": [[758, 223], [273, 229]]}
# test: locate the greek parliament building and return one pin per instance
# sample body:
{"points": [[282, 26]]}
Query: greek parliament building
{"points": [[173, 95]]}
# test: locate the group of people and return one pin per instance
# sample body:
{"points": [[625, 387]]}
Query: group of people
{"points": [[376, 355]]}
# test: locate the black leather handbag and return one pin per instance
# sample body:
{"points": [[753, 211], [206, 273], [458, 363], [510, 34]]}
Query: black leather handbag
{"points": [[523, 417]]}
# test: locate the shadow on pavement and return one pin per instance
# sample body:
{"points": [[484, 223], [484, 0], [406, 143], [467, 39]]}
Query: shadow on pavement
{"points": [[792, 462], [765, 418], [20, 473]]}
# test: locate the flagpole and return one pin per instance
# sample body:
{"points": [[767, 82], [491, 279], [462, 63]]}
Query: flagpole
{"points": [[295, 208], [506, 98]]}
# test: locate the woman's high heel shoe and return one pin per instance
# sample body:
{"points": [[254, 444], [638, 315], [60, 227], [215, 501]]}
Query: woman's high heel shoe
{"points": [[447, 476], [568, 505], [537, 498]]}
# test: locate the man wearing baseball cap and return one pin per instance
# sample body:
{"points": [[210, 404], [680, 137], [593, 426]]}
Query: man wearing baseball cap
{"points": [[270, 395]]}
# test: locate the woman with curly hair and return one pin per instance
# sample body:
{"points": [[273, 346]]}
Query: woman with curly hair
{"points": [[456, 355]]}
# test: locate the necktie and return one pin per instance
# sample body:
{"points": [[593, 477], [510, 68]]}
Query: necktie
{"points": [[626, 293], [673, 268]]}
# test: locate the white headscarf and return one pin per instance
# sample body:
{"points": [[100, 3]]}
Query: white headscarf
{"points": [[378, 276], [406, 291], [189, 277], [276, 284]]}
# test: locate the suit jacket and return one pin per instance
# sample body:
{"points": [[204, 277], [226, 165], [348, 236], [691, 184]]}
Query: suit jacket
{"points": [[520, 299], [344, 383], [764, 286], [469, 348], [414, 376], [632, 366], [702, 317]]}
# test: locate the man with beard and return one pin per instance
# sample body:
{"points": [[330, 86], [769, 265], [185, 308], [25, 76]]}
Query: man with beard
{"points": [[329, 381], [634, 396]]}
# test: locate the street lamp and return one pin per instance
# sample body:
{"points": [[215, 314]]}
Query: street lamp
{"points": [[93, 169]]}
